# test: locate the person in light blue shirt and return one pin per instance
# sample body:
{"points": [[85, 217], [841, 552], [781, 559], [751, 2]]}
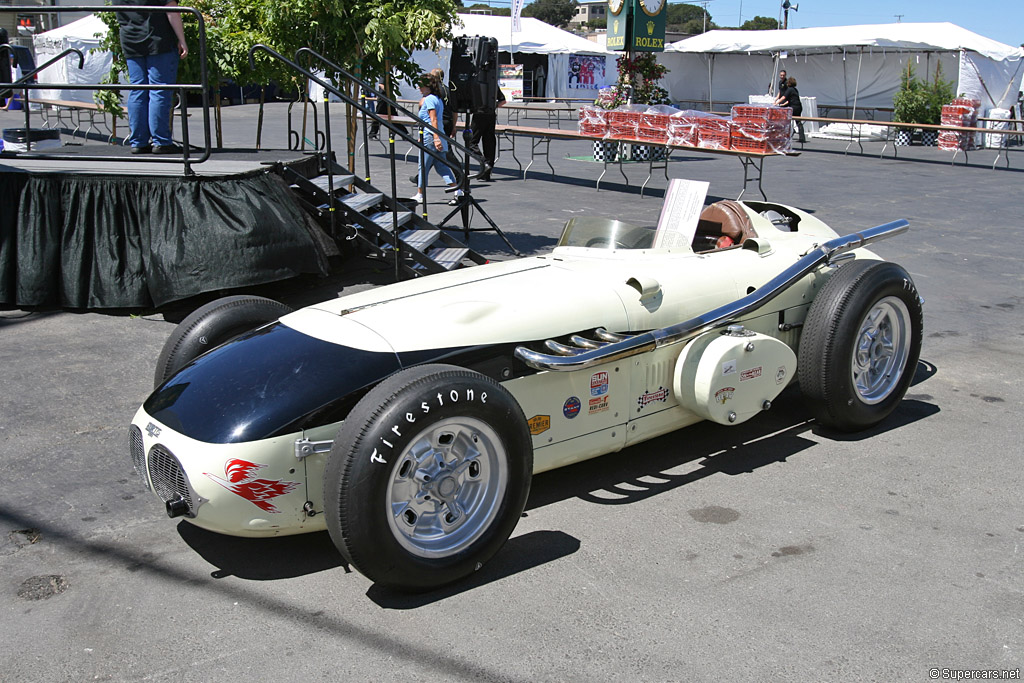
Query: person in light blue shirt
{"points": [[432, 112]]}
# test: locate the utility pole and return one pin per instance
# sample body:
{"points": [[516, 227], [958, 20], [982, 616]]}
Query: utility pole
{"points": [[899, 18]]}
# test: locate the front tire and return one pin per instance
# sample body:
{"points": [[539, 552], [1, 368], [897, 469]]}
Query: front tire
{"points": [[211, 325], [428, 477], [860, 345]]}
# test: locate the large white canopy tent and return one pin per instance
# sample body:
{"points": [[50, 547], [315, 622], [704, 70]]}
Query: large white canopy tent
{"points": [[84, 34], [853, 66], [536, 37]]}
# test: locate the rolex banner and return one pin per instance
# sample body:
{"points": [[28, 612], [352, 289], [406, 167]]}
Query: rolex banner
{"points": [[636, 25]]}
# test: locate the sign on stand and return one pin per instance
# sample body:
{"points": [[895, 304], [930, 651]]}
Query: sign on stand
{"points": [[680, 213]]}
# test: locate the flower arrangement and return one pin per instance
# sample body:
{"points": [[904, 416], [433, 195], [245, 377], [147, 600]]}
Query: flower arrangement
{"points": [[638, 82]]}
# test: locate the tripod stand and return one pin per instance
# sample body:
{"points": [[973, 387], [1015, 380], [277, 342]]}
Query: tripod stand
{"points": [[466, 200]]}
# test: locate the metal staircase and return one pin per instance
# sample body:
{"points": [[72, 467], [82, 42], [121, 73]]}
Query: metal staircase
{"points": [[350, 208]]}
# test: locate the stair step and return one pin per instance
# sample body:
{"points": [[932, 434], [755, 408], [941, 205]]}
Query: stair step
{"points": [[340, 181], [383, 218], [362, 202], [448, 258], [419, 239]]}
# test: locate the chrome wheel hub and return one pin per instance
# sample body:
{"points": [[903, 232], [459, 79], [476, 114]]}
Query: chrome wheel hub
{"points": [[882, 349], [446, 487]]}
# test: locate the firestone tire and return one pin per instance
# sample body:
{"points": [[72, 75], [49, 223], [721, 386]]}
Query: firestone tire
{"points": [[860, 345], [428, 477], [211, 325]]}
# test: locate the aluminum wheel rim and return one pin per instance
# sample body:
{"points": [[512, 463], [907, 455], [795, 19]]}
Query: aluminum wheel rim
{"points": [[446, 487], [881, 351]]}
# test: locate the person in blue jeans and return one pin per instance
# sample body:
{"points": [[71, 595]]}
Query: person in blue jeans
{"points": [[153, 44], [432, 112]]}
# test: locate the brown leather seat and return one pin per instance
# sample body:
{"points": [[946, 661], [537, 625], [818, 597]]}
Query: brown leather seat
{"points": [[728, 218]]}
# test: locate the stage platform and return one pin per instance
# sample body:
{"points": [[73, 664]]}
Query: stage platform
{"points": [[137, 232]]}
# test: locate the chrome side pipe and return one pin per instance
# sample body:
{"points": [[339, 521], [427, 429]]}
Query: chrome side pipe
{"points": [[815, 257]]}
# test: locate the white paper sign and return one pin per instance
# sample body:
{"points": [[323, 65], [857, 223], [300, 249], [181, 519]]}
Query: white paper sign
{"points": [[684, 201]]}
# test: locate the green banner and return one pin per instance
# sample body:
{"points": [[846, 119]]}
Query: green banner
{"points": [[636, 25], [618, 18], [647, 33]]}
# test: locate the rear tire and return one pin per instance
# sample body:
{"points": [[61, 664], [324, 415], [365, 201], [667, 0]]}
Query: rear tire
{"points": [[428, 477], [860, 345], [210, 326]]}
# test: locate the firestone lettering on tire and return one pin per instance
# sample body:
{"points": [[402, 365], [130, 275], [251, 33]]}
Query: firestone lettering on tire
{"points": [[453, 397]]}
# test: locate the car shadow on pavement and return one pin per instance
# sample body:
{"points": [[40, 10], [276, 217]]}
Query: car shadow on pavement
{"points": [[519, 554], [669, 462], [263, 559]]}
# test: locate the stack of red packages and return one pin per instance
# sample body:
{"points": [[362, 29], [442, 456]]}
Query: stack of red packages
{"points": [[624, 121], [654, 123], [761, 128], [593, 121], [960, 112], [714, 132], [682, 128]]}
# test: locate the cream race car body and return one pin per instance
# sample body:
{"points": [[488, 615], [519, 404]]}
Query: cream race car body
{"points": [[573, 416]]}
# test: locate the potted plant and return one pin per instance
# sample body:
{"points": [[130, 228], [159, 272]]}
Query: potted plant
{"points": [[910, 104], [937, 93]]}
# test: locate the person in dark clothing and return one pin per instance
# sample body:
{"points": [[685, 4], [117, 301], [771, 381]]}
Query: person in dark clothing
{"points": [[5, 67], [484, 120], [790, 97], [382, 108], [783, 82], [153, 45]]}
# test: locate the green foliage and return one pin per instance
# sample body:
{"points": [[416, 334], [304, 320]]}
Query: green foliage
{"points": [[760, 24], [683, 18], [555, 12], [360, 35], [495, 11], [910, 104], [937, 93], [600, 22]]}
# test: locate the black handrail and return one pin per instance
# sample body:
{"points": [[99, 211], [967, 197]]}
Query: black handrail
{"points": [[27, 78], [387, 100], [181, 89]]}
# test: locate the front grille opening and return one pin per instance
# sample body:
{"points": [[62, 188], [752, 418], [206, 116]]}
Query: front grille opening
{"points": [[138, 452], [168, 477]]}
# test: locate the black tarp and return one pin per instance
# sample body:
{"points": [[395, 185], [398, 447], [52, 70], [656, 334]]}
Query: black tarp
{"points": [[103, 241]]}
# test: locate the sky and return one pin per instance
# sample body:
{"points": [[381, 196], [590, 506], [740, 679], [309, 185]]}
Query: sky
{"points": [[1001, 20]]}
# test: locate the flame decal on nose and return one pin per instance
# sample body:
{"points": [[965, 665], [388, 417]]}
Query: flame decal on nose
{"points": [[242, 481]]}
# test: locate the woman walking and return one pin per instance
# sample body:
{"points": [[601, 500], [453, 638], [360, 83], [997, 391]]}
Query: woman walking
{"points": [[432, 112]]}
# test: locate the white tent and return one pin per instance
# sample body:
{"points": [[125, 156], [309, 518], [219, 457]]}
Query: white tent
{"points": [[83, 34], [843, 65], [565, 51]]}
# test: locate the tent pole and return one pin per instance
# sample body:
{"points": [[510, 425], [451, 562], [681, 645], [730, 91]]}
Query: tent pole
{"points": [[856, 88], [711, 63]]}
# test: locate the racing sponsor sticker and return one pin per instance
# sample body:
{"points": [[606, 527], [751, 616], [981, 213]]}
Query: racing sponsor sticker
{"points": [[780, 374], [724, 394], [539, 424], [752, 373], [728, 367], [649, 397], [597, 405], [241, 480], [571, 407], [599, 384]]}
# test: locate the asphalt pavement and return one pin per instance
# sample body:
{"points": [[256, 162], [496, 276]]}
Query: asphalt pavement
{"points": [[772, 550]]}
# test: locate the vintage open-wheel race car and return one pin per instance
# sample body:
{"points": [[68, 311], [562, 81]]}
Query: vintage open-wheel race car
{"points": [[408, 420]]}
